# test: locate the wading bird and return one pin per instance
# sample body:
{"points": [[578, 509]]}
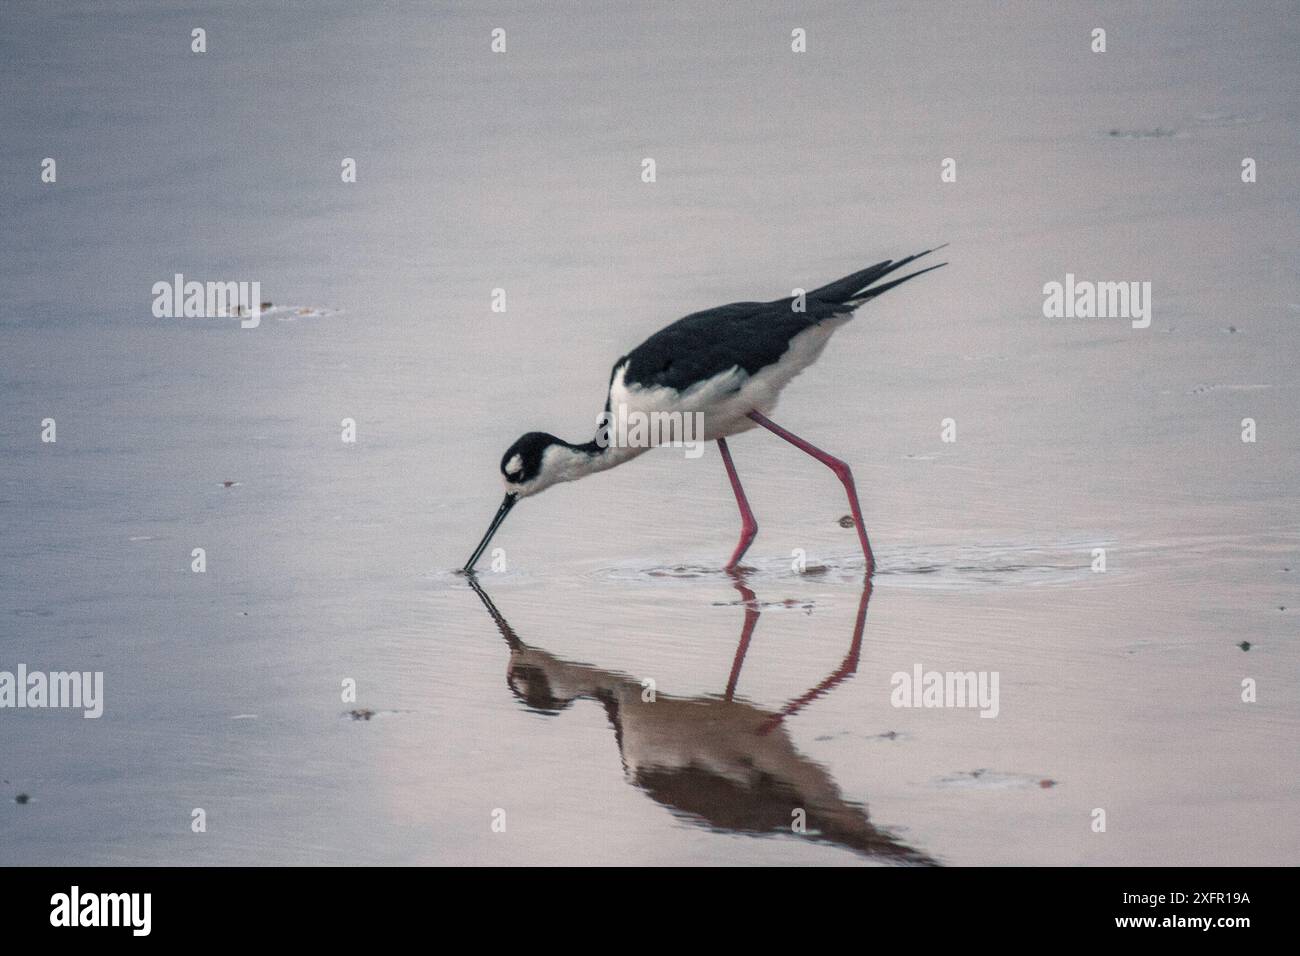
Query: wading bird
{"points": [[727, 366]]}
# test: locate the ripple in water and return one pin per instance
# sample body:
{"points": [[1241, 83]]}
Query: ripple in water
{"points": [[950, 567]]}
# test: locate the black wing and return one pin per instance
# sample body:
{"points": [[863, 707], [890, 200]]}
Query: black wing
{"points": [[748, 335]]}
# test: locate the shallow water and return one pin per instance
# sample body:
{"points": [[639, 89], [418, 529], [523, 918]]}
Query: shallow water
{"points": [[1119, 690]]}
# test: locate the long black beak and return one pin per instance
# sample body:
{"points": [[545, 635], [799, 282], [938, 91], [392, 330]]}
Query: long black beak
{"points": [[504, 510]]}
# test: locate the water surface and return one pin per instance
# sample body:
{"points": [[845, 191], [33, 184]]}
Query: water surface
{"points": [[329, 562]]}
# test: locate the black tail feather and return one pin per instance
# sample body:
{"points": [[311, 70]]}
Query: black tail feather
{"points": [[868, 294], [854, 288]]}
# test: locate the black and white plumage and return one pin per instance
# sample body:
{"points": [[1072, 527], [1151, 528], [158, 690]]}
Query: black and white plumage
{"points": [[727, 365], [747, 336], [734, 359]]}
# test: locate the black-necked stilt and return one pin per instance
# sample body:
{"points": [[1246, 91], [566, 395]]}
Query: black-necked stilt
{"points": [[726, 366]]}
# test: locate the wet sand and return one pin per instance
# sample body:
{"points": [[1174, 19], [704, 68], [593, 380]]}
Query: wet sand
{"points": [[326, 561]]}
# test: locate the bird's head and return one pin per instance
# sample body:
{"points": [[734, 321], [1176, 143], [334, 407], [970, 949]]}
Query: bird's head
{"points": [[532, 464], [535, 462]]}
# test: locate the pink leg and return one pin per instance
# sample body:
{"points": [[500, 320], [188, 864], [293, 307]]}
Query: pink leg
{"points": [[748, 526], [834, 464]]}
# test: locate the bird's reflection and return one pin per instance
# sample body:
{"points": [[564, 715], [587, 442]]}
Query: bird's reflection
{"points": [[719, 762]]}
